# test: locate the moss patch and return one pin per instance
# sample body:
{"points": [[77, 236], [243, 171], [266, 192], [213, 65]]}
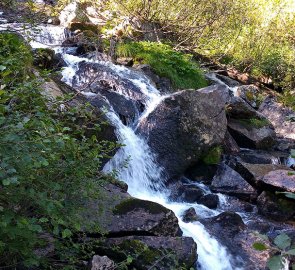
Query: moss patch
{"points": [[253, 122], [131, 204], [212, 156]]}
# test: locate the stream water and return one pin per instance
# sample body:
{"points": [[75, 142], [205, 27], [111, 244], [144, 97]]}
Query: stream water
{"points": [[142, 173]]}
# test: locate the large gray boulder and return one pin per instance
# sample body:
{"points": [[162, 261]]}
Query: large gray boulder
{"points": [[184, 126]]}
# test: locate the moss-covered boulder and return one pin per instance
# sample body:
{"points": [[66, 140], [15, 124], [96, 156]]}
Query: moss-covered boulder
{"points": [[119, 214], [184, 126], [150, 252]]}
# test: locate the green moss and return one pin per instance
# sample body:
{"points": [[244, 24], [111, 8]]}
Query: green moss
{"points": [[131, 204], [253, 122], [183, 72], [212, 156]]}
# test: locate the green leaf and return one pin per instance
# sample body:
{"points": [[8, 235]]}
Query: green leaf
{"points": [[66, 233], [2, 68], [282, 241], [291, 252], [259, 246], [129, 259], [293, 153], [288, 194], [275, 263], [43, 220]]}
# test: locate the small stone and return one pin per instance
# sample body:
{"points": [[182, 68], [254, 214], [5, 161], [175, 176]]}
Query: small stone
{"points": [[101, 263], [209, 200], [189, 215]]}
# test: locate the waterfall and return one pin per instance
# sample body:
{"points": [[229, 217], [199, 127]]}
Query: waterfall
{"points": [[135, 163]]}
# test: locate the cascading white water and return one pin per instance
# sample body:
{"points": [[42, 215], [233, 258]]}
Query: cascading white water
{"points": [[143, 175], [212, 76]]}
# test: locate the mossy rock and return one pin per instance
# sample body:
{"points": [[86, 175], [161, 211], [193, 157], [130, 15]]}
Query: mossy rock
{"points": [[146, 252], [132, 204], [255, 123], [84, 26]]}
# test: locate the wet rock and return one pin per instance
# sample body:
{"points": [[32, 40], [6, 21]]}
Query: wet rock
{"points": [[164, 85], [125, 61], [275, 207], [209, 200], [165, 252], [95, 77], [124, 215], [279, 180], [230, 182], [230, 146], [252, 173], [251, 94], [231, 232], [189, 215], [228, 81], [249, 134], [201, 172], [124, 107], [183, 192], [231, 222], [184, 126], [48, 59], [148, 71], [101, 263], [279, 116]]}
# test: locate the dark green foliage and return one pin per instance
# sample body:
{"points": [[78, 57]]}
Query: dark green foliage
{"points": [[178, 67], [15, 59], [48, 165]]}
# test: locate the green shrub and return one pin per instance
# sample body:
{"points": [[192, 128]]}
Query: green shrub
{"points": [[178, 67], [15, 58], [48, 164], [288, 99]]}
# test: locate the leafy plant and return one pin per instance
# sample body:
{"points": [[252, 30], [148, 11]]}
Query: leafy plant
{"points": [[49, 165], [178, 67], [281, 246]]}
